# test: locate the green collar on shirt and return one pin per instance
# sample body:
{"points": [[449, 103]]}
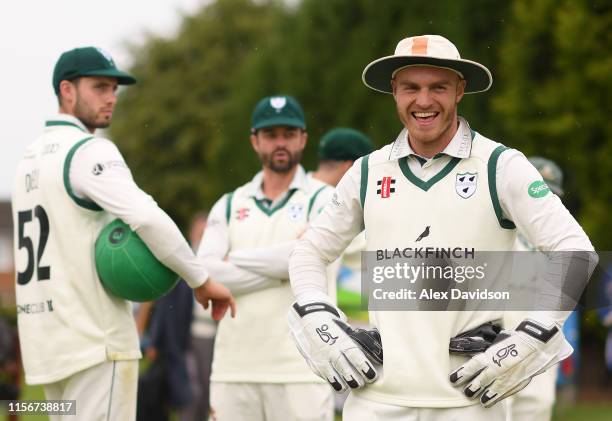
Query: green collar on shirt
{"points": [[52, 123]]}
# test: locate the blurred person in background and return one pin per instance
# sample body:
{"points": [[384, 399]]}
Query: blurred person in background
{"points": [[257, 372], [200, 351], [535, 402], [77, 340]]}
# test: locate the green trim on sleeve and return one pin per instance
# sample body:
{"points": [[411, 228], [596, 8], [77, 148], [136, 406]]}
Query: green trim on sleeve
{"points": [[364, 180], [426, 185], [228, 206], [312, 200], [87, 204], [492, 174]]}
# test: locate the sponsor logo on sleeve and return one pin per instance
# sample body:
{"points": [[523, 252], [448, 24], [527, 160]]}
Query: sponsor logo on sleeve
{"points": [[538, 189], [98, 169]]}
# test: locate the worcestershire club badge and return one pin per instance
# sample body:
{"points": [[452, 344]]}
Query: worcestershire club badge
{"points": [[465, 184]]}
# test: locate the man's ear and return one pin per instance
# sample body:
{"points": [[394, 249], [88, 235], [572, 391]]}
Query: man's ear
{"points": [[460, 90], [67, 92], [254, 141]]}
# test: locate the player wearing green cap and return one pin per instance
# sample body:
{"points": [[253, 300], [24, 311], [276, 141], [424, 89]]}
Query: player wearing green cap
{"points": [[77, 339], [257, 373], [339, 148]]}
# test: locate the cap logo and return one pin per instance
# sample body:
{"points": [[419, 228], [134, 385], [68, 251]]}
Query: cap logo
{"points": [[106, 55], [419, 46], [278, 103]]}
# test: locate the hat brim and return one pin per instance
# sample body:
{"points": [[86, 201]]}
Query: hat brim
{"points": [[280, 121], [122, 77], [378, 74]]}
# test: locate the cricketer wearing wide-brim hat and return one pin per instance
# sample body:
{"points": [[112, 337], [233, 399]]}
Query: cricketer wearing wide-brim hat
{"points": [[438, 185]]}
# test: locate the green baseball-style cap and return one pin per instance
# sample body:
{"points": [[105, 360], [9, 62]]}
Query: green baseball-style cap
{"points": [[551, 173], [344, 144], [87, 61], [281, 110]]}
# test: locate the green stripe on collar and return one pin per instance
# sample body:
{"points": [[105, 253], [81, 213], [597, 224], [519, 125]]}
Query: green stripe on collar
{"points": [[52, 123], [279, 205]]}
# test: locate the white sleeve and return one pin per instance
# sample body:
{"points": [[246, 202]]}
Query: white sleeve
{"points": [[545, 222], [273, 261], [99, 173], [329, 234], [214, 249]]}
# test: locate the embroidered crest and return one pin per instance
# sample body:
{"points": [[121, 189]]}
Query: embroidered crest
{"points": [[278, 103], [465, 184], [295, 211], [106, 55]]}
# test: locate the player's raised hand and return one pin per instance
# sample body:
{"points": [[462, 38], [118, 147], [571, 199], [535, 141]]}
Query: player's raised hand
{"points": [[219, 295]]}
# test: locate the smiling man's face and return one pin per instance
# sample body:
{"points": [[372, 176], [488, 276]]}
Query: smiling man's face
{"points": [[426, 99]]}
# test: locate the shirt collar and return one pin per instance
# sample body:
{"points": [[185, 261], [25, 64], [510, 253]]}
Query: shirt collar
{"points": [[298, 183], [460, 145], [64, 120]]}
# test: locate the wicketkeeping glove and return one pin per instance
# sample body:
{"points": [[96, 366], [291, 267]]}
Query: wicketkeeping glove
{"points": [[343, 356], [508, 365]]}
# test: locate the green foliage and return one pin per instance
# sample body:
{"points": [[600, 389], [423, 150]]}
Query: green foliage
{"points": [[555, 72], [184, 128], [170, 126]]}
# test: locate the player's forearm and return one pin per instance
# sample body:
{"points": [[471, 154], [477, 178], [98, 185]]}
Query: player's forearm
{"points": [[567, 275], [166, 242], [307, 272], [271, 261], [238, 280]]}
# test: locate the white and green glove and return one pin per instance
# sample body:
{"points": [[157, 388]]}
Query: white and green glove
{"points": [[509, 364], [343, 356]]}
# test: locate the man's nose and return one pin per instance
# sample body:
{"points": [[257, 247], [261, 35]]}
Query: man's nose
{"points": [[111, 98], [423, 98]]}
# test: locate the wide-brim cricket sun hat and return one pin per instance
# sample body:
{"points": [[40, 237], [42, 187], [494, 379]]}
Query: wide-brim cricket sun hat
{"points": [[426, 50]]}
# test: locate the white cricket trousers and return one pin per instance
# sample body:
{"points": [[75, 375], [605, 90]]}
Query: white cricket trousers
{"points": [[535, 402], [271, 401], [104, 392], [360, 409]]}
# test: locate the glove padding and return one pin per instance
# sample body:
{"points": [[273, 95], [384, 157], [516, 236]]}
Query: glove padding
{"points": [[474, 341], [325, 340], [511, 362]]}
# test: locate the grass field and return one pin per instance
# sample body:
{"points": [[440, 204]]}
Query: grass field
{"points": [[579, 412]]}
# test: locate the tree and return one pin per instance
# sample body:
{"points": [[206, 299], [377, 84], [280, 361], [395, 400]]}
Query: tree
{"points": [[554, 102], [170, 126]]}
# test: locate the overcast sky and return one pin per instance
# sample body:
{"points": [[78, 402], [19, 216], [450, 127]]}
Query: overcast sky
{"points": [[33, 33]]}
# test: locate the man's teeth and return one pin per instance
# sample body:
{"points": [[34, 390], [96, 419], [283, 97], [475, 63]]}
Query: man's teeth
{"points": [[424, 115]]}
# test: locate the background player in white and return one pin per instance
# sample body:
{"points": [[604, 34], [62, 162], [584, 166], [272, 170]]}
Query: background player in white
{"points": [[257, 373], [407, 195], [339, 148], [535, 402], [76, 339]]}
